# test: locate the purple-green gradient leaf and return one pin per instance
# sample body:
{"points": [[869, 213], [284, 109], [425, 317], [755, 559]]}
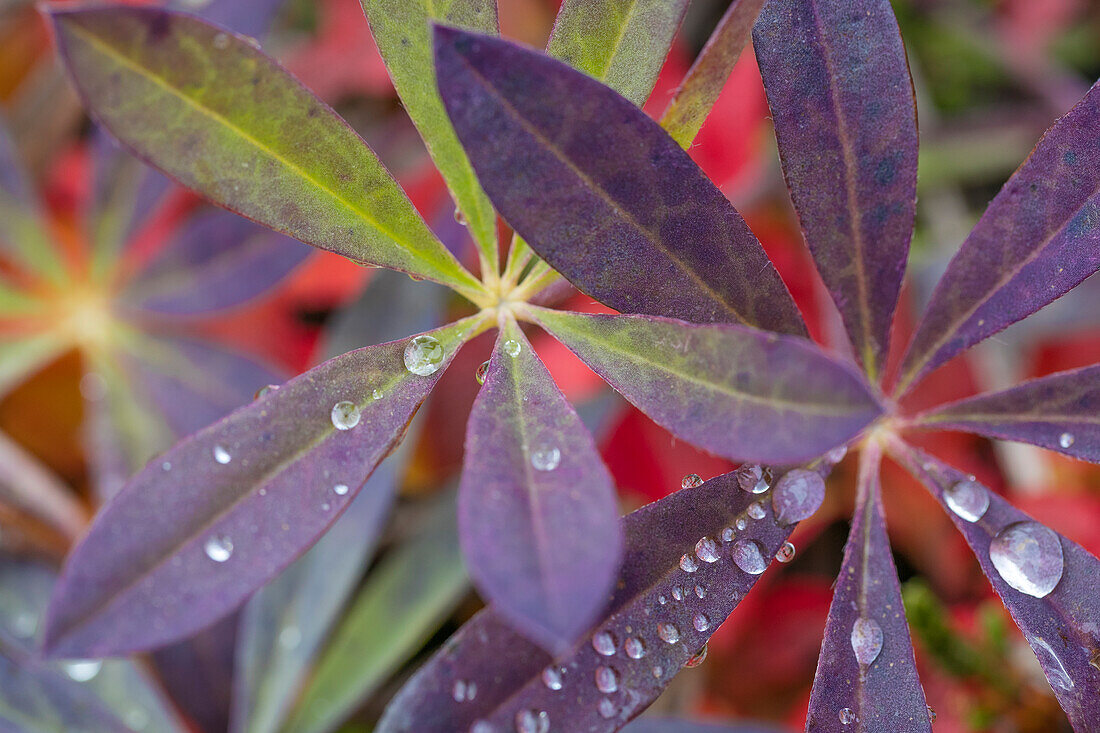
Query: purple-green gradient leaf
{"points": [[1059, 411], [737, 392], [537, 512], [697, 93], [214, 518], [214, 112], [676, 725], [1039, 238], [1047, 582], [601, 192], [842, 103], [867, 675], [669, 600], [22, 235], [623, 43]]}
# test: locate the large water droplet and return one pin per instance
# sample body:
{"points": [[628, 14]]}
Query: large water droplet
{"points": [[1052, 665], [552, 678], [634, 647], [218, 549], [756, 510], [83, 670], [749, 556], [786, 552], [532, 721], [512, 348], [697, 658], [463, 690], [545, 458], [1066, 440], [1028, 556], [700, 622], [604, 643], [668, 633], [798, 494], [691, 481], [848, 716], [345, 415], [482, 370], [221, 455], [753, 478], [706, 550], [866, 640], [607, 680], [688, 564], [423, 355], [968, 499]]}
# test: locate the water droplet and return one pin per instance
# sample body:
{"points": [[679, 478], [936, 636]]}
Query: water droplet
{"points": [[423, 355], [218, 549], [658, 671], [727, 534], [668, 633], [756, 510], [677, 593], [741, 524], [512, 348], [697, 658], [482, 370], [137, 719], [634, 647], [749, 556], [798, 494], [1028, 556], [24, 624], [700, 622], [166, 466], [706, 550], [221, 455], [968, 499], [460, 217], [691, 481], [607, 680], [1066, 440], [545, 458], [221, 41], [481, 726], [688, 564], [836, 455], [662, 600], [345, 415], [377, 394], [604, 643], [700, 591], [1052, 665], [340, 489], [607, 708], [266, 390], [290, 637], [848, 716], [83, 670], [532, 721], [866, 640], [463, 690], [552, 678], [754, 478], [785, 553]]}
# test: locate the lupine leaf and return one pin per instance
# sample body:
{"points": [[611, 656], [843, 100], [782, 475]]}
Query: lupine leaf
{"points": [[404, 600], [402, 31], [217, 261], [1036, 241], [217, 516], [842, 102], [509, 673], [674, 725], [866, 675], [697, 93], [22, 235], [623, 43], [737, 392], [214, 112], [1059, 411], [248, 17], [601, 192], [537, 513], [28, 483], [1062, 626]]}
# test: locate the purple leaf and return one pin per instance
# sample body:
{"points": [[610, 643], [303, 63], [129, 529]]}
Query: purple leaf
{"points": [[669, 600], [1059, 411], [13, 181], [674, 725], [839, 90], [219, 260], [537, 512], [217, 516], [248, 17], [1037, 240], [601, 192], [1047, 583], [866, 675], [737, 392], [22, 235]]}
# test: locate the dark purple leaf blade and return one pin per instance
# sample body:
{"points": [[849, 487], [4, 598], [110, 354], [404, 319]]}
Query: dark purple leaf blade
{"points": [[1063, 626], [1059, 411], [1037, 240], [737, 392], [675, 725], [248, 17], [842, 102], [537, 513], [601, 192], [218, 261], [510, 672], [210, 521], [867, 673]]}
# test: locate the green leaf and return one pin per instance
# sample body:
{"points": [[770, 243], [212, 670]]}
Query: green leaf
{"points": [[19, 357], [211, 110], [401, 30]]}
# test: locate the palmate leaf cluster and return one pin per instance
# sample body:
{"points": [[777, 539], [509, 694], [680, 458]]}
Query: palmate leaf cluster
{"points": [[591, 616]]}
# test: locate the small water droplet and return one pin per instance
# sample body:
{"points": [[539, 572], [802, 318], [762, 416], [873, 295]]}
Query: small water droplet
{"points": [[460, 217], [481, 726], [482, 370], [634, 647], [532, 721], [607, 680], [754, 478], [221, 455], [662, 600], [423, 355], [741, 523], [968, 499], [218, 549], [677, 593], [668, 633], [688, 564], [137, 719], [700, 622], [377, 394], [866, 640], [756, 510], [749, 556], [727, 534], [1052, 664], [552, 678], [463, 690], [697, 658], [848, 716], [326, 506], [24, 624], [607, 708], [166, 466], [265, 390], [545, 458], [691, 481], [836, 455], [1066, 440], [658, 671], [340, 489], [290, 637], [700, 591], [1028, 556], [83, 670], [798, 494], [604, 643], [221, 41], [512, 348], [345, 415], [706, 550], [786, 552]]}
